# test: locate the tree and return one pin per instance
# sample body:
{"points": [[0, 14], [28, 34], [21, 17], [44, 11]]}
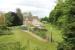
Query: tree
{"points": [[19, 13], [56, 12], [63, 15], [68, 20], [12, 19], [45, 19]]}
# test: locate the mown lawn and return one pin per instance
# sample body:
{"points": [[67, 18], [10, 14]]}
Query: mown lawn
{"points": [[20, 40]]}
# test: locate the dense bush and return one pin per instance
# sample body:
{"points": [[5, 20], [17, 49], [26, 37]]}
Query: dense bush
{"points": [[40, 32], [45, 19], [12, 19], [63, 16], [4, 30]]}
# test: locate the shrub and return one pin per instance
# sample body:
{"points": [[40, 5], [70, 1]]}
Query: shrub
{"points": [[4, 30], [40, 32]]}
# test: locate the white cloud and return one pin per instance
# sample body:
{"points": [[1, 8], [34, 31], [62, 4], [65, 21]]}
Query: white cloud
{"points": [[37, 7]]}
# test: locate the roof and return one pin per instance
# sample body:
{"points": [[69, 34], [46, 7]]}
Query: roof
{"points": [[31, 18]]}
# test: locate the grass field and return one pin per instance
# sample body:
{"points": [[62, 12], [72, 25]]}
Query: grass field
{"points": [[20, 40]]}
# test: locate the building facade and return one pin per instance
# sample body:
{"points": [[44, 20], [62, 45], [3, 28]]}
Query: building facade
{"points": [[31, 20]]}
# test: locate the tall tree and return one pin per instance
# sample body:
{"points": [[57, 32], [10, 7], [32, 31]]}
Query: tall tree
{"points": [[56, 12], [12, 19], [68, 20], [64, 16], [19, 13]]}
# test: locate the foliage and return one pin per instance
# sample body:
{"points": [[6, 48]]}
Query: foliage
{"points": [[12, 19], [63, 16], [19, 14], [4, 30], [45, 19], [8, 19], [65, 46], [56, 13], [40, 32]]}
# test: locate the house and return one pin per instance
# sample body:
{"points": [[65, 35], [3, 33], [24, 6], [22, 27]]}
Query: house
{"points": [[27, 18], [35, 21], [31, 20]]}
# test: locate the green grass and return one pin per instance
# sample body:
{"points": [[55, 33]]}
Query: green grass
{"points": [[23, 39], [27, 39], [56, 33]]}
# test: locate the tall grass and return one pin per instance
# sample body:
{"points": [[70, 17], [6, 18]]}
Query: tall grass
{"points": [[18, 46]]}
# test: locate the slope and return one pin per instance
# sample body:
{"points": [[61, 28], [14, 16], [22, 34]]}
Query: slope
{"points": [[22, 40]]}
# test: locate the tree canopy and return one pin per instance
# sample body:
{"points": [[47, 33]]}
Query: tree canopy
{"points": [[63, 16], [12, 19], [19, 14]]}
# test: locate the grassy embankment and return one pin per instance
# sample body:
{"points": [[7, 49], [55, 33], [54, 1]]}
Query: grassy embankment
{"points": [[23, 41]]}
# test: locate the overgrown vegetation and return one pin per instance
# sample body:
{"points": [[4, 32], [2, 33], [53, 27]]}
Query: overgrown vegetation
{"points": [[4, 30], [20, 40], [13, 19], [45, 19], [63, 16], [40, 32]]}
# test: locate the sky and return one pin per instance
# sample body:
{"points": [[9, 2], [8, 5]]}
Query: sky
{"points": [[39, 8]]}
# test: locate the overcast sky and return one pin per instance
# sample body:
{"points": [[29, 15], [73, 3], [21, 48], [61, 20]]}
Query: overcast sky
{"points": [[39, 8]]}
